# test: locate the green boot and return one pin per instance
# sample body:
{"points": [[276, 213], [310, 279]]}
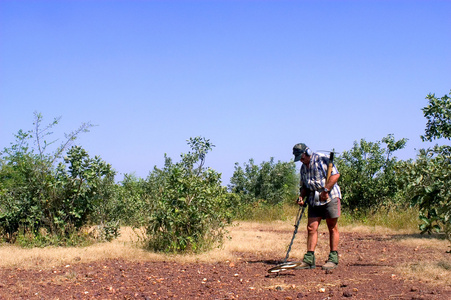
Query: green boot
{"points": [[332, 261], [308, 262]]}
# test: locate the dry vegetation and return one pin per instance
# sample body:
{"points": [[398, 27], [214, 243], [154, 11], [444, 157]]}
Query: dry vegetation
{"points": [[244, 237], [266, 241]]}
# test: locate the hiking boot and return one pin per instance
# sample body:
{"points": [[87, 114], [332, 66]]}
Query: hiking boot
{"points": [[332, 261], [307, 263]]}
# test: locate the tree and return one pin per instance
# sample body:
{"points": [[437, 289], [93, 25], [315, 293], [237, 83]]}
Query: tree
{"points": [[438, 114], [430, 176], [86, 189], [271, 182], [368, 173]]}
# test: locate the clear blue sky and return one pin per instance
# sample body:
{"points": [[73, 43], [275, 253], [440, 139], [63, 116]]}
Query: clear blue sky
{"points": [[254, 77]]}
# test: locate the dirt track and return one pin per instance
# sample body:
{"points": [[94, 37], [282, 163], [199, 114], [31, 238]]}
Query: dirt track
{"points": [[366, 271]]}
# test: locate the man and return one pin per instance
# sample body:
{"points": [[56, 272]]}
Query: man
{"points": [[324, 203]]}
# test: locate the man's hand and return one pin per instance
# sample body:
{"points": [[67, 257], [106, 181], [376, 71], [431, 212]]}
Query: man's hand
{"points": [[300, 201], [323, 196]]}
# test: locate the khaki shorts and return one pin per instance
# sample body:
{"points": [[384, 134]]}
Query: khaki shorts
{"points": [[330, 210]]}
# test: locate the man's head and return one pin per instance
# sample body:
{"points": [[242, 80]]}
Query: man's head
{"points": [[300, 149]]}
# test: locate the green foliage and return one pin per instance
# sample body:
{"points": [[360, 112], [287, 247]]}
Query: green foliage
{"points": [[85, 186], [368, 173], [133, 200], [47, 203], [188, 208], [271, 183], [428, 178], [89, 193], [48, 199], [438, 114]]}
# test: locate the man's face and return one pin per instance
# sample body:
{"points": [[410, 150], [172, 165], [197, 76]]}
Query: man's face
{"points": [[305, 159]]}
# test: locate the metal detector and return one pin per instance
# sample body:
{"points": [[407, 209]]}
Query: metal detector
{"points": [[290, 265]]}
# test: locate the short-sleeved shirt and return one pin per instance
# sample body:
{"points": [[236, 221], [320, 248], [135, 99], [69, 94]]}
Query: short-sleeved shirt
{"points": [[314, 178]]}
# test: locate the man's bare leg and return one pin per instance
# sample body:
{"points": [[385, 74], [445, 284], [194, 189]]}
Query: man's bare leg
{"points": [[334, 236], [312, 233], [332, 261]]}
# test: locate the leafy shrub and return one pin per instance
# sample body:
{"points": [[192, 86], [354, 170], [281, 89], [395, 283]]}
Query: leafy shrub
{"points": [[270, 182], [430, 176], [133, 200], [368, 174], [438, 114], [44, 202], [188, 208], [427, 180]]}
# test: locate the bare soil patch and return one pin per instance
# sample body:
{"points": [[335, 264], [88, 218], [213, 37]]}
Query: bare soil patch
{"points": [[372, 266]]}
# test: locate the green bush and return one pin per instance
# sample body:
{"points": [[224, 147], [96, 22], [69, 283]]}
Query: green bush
{"points": [[48, 203], [271, 183], [188, 209], [438, 114], [368, 174], [133, 200], [427, 180], [429, 177]]}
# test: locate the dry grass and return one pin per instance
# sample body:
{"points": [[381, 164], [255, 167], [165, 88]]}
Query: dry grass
{"points": [[435, 269], [375, 229], [436, 272], [246, 237], [13, 256], [399, 220]]}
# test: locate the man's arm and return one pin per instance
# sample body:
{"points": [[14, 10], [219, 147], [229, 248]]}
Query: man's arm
{"points": [[329, 185], [332, 181]]}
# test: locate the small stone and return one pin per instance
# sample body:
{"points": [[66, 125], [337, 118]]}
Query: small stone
{"points": [[300, 295], [347, 294]]}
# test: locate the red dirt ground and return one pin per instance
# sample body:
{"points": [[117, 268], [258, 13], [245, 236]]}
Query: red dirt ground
{"points": [[366, 271]]}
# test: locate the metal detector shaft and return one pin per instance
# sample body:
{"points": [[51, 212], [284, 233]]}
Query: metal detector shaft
{"points": [[286, 266], [296, 225]]}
